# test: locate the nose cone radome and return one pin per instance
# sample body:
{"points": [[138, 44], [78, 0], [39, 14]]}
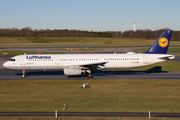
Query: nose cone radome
{"points": [[5, 65]]}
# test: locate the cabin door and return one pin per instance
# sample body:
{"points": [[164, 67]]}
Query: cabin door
{"points": [[22, 60], [145, 59], [57, 60]]}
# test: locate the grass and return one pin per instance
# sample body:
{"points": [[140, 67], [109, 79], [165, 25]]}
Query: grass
{"points": [[171, 49], [100, 96], [84, 118], [74, 45], [178, 54], [13, 41], [84, 49], [79, 49], [167, 66], [10, 52], [73, 41], [174, 49], [50, 40]]}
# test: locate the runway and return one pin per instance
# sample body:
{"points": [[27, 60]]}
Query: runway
{"points": [[91, 114], [98, 75]]}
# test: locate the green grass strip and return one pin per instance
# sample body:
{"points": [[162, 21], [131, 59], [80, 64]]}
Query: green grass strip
{"points": [[171, 49], [10, 52], [100, 96]]}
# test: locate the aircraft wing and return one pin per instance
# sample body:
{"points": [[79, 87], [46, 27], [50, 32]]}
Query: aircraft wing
{"points": [[91, 66], [96, 63]]}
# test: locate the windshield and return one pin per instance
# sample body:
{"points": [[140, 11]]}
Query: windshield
{"points": [[11, 59]]}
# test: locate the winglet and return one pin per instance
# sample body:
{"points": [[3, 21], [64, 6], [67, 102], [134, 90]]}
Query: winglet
{"points": [[162, 44]]}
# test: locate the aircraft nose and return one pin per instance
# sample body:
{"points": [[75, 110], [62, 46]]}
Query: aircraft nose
{"points": [[5, 65]]}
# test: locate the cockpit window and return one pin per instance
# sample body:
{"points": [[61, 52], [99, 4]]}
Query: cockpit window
{"points": [[11, 59]]}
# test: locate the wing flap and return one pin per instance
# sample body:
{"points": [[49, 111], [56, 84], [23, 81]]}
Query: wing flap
{"points": [[91, 66]]}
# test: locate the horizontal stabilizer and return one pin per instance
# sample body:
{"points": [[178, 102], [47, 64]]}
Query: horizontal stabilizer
{"points": [[167, 57]]}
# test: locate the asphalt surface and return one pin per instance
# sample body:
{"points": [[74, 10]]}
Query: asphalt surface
{"points": [[97, 75], [93, 114]]}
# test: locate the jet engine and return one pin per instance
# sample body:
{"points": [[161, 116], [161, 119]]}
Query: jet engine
{"points": [[72, 71]]}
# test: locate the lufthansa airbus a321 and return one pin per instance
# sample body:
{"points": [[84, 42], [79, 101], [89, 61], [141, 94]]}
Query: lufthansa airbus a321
{"points": [[76, 64]]}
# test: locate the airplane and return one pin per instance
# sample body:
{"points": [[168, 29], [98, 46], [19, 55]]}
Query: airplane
{"points": [[77, 64]]}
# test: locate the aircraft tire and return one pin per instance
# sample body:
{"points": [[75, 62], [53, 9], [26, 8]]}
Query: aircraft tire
{"points": [[90, 75]]}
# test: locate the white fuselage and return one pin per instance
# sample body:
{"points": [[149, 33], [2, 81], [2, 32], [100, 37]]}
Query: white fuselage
{"points": [[60, 61]]}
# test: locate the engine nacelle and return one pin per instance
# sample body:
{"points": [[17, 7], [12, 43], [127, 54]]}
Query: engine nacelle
{"points": [[101, 67], [72, 71]]}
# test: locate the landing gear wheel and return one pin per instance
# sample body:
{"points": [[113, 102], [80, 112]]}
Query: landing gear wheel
{"points": [[90, 75], [23, 73]]}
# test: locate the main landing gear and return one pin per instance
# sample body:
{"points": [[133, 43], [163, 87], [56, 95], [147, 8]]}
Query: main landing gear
{"points": [[89, 74], [23, 73]]}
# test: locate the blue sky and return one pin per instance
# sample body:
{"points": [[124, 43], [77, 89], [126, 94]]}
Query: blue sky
{"points": [[96, 15]]}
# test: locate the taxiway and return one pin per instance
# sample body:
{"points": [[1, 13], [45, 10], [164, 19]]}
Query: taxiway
{"points": [[100, 75]]}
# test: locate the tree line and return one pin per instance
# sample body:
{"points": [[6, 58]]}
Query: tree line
{"points": [[149, 34], [28, 32], [140, 34]]}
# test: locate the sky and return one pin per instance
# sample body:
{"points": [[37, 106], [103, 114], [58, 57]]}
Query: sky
{"points": [[95, 15]]}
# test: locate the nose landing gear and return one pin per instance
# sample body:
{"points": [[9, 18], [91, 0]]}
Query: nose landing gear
{"points": [[23, 73]]}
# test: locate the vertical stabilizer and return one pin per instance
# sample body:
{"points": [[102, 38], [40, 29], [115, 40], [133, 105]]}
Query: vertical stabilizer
{"points": [[162, 44]]}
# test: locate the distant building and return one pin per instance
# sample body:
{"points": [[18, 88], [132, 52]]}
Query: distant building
{"points": [[134, 25]]}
